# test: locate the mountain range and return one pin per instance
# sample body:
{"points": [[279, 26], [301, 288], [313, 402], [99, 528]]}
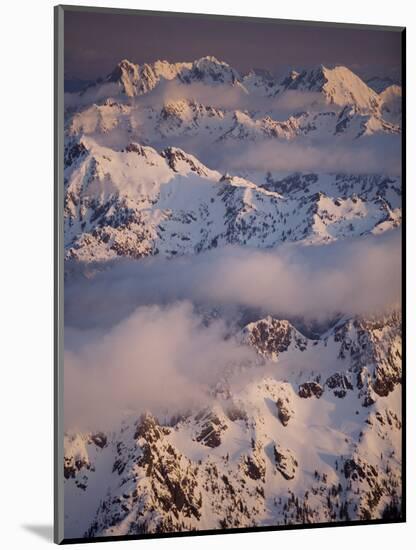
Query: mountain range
{"points": [[180, 99], [172, 160]]}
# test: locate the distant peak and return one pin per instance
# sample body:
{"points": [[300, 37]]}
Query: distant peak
{"points": [[126, 64], [177, 158], [122, 69], [210, 59], [173, 151]]}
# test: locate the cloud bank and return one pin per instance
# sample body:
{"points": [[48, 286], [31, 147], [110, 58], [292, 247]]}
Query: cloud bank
{"points": [[369, 155], [161, 359], [232, 97], [357, 276], [334, 155], [136, 335], [372, 154]]}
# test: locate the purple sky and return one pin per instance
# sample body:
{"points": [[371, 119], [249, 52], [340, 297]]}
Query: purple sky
{"points": [[95, 42]]}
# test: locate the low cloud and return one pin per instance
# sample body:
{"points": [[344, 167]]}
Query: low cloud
{"points": [[137, 334], [235, 97], [357, 276], [361, 277], [289, 102], [373, 155], [368, 155], [90, 95], [161, 359], [231, 97]]}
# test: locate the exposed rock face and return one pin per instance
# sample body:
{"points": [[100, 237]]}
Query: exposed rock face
{"points": [[308, 389], [271, 337], [72, 466], [374, 348], [283, 411], [211, 429], [255, 464], [286, 464], [74, 151], [99, 439], [161, 490], [176, 156], [169, 483], [340, 383]]}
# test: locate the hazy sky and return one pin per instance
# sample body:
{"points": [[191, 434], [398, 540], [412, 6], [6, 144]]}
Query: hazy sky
{"points": [[95, 42]]}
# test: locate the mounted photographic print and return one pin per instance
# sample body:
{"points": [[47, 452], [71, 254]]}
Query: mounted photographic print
{"points": [[228, 317]]}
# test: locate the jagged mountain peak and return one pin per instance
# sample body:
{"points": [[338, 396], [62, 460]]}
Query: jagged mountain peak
{"points": [[126, 64], [271, 336], [123, 67], [210, 70], [210, 59], [166, 69], [126, 75], [343, 87], [135, 79], [339, 84], [310, 79], [182, 162]]}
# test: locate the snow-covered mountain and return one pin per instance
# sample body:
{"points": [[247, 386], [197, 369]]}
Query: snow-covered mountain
{"points": [[138, 202], [339, 85], [155, 166], [320, 444], [132, 80], [136, 102]]}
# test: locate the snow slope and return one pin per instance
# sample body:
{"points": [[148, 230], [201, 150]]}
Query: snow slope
{"points": [[138, 202], [315, 439]]}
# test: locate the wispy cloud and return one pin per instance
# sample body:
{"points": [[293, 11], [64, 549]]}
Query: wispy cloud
{"points": [[356, 276], [136, 335], [161, 359], [368, 155]]}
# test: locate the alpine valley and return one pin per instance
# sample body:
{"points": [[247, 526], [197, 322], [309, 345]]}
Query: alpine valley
{"points": [[167, 164]]}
